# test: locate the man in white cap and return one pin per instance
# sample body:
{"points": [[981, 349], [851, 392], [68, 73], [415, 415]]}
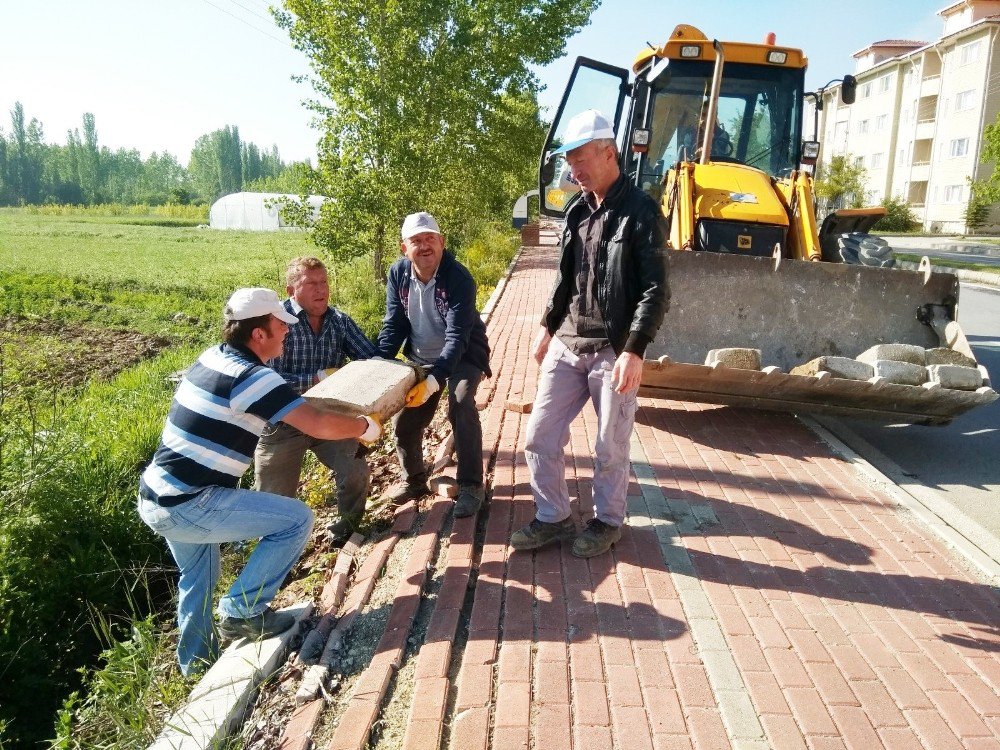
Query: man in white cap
{"points": [[608, 301], [431, 313], [189, 494]]}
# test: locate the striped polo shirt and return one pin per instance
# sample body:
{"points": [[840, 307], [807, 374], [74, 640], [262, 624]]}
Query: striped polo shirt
{"points": [[219, 410]]}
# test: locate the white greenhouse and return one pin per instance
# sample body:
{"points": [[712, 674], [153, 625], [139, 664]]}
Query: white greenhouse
{"points": [[255, 212]]}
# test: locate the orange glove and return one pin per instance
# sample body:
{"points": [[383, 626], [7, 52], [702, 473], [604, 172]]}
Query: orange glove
{"points": [[418, 394], [325, 373]]}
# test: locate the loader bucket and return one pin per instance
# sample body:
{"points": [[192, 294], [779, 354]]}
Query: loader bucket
{"points": [[794, 311]]}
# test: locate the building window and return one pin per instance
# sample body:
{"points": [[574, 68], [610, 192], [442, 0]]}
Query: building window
{"points": [[965, 100], [954, 193], [880, 122], [862, 127], [859, 161], [969, 53], [876, 161], [901, 156], [866, 90], [959, 147], [883, 83]]}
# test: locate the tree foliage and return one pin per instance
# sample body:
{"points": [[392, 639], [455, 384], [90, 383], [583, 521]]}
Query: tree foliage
{"points": [[428, 105], [899, 217], [84, 172], [841, 183]]}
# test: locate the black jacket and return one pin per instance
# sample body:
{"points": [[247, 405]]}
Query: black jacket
{"points": [[632, 288], [455, 298]]}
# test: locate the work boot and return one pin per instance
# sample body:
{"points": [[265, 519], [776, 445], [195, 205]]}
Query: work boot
{"points": [[470, 497], [404, 491], [265, 625], [539, 533], [597, 538], [338, 532]]}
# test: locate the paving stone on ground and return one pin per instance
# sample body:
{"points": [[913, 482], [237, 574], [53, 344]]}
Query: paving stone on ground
{"points": [[762, 595]]}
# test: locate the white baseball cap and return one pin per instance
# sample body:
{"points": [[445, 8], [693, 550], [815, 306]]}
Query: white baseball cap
{"points": [[589, 125], [252, 302], [418, 223]]}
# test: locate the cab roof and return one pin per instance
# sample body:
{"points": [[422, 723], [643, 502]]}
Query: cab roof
{"points": [[743, 52]]}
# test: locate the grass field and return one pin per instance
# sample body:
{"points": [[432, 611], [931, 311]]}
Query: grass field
{"points": [[97, 309]]}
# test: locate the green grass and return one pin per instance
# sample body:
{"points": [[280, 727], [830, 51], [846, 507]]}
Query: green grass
{"points": [[73, 553], [948, 263]]}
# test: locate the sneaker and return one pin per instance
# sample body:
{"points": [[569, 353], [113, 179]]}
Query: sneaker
{"points": [[338, 532], [470, 497], [597, 538], [265, 625], [405, 491], [539, 533]]}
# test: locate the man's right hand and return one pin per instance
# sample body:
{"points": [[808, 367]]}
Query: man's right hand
{"points": [[373, 432], [541, 345]]}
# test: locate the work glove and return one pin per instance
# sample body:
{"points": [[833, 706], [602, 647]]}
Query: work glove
{"points": [[374, 431], [325, 373], [418, 394]]}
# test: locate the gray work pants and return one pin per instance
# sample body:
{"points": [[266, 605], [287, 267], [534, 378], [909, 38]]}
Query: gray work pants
{"points": [[278, 465], [566, 382], [464, 417]]}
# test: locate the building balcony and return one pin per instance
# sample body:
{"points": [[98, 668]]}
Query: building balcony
{"points": [[930, 86], [925, 129], [920, 171]]}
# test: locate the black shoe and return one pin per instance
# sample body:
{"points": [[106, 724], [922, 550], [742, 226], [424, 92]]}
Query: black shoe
{"points": [[597, 538], [338, 532], [539, 533], [405, 491], [265, 625], [470, 497]]}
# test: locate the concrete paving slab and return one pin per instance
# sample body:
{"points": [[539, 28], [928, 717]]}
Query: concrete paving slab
{"points": [[369, 386], [221, 697]]}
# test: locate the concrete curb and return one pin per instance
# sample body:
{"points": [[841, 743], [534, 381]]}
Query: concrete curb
{"points": [[962, 534], [220, 699]]}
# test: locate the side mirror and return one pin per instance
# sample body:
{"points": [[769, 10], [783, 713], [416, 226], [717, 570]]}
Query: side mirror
{"points": [[660, 71], [810, 152], [849, 90], [548, 169]]}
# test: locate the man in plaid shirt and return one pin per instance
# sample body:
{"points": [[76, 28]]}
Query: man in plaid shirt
{"points": [[322, 340]]}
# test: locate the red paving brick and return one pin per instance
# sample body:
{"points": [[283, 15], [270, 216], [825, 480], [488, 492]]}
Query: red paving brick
{"points": [[849, 625]]}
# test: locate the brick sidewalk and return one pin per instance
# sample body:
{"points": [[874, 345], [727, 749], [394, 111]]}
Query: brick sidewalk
{"points": [[762, 595]]}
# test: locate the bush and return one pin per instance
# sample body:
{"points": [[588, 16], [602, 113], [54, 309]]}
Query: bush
{"points": [[71, 545], [898, 217], [126, 697]]}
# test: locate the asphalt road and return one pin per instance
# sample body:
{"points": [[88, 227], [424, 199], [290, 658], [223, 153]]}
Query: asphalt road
{"points": [[961, 461], [947, 249]]}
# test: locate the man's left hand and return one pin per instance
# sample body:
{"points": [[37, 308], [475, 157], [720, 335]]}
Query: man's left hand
{"points": [[626, 373], [418, 394]]}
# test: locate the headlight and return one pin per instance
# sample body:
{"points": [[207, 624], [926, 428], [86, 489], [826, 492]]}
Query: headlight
{"points": [[777, 57], [691, 50], [810, 149]]}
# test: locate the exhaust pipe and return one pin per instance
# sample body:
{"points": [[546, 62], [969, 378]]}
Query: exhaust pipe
{"points": [[713, 104]]}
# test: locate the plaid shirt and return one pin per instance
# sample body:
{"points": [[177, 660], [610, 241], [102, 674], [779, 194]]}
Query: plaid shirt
{"points": [[305, 353]]}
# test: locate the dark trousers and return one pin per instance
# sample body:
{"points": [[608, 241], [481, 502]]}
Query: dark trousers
{"points": [[464, 417]]}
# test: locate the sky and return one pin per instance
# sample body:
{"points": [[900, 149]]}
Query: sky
{"points": [[158, 74]]}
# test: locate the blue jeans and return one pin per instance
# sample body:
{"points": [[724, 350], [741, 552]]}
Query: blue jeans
{"points": [[566, 382], [194, 531]]}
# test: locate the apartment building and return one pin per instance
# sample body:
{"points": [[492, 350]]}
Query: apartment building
{"points": [[917, 123]]}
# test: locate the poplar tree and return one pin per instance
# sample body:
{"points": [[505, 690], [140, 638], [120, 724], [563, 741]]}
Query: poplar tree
{"points": [[425, 105]]}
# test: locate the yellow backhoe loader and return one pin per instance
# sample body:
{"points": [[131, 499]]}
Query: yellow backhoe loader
{"points": [[713, 131]]}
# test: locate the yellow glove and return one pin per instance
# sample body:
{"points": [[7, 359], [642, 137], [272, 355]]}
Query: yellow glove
{"points": [[325, 373], [374, 431], [418, 394]]}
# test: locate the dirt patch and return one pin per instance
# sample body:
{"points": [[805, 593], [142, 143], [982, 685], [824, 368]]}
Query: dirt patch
{"points": [[49, 353]]}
